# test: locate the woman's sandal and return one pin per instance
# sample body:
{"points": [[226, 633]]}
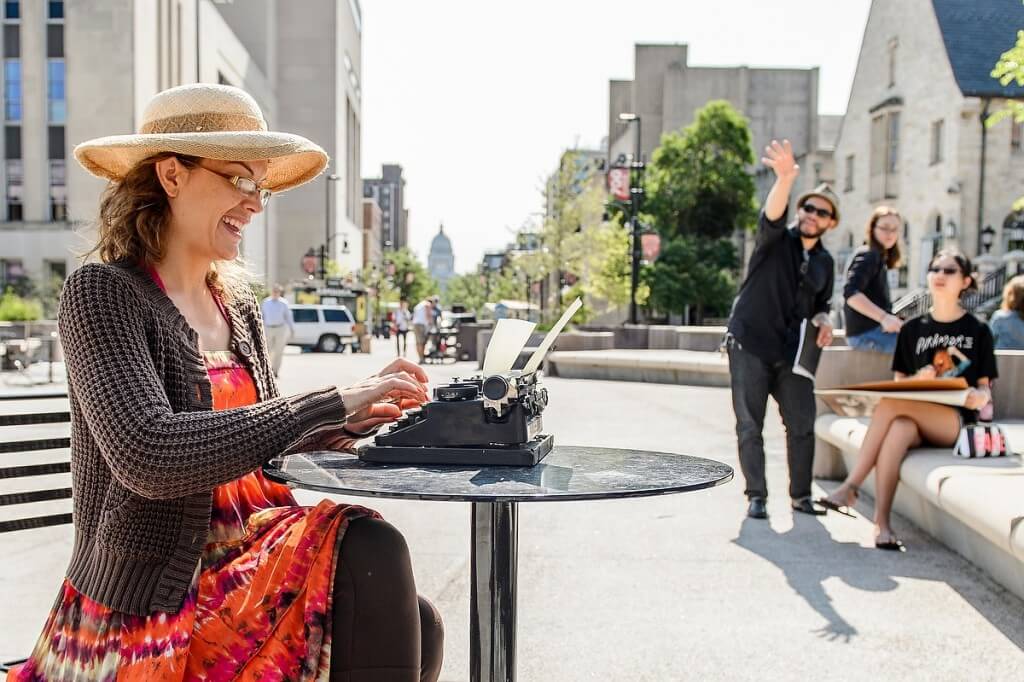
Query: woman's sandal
{"points": [[842, 509], [894, 545]]}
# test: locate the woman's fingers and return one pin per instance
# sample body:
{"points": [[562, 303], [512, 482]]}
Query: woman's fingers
{"points": [[403, 365]]}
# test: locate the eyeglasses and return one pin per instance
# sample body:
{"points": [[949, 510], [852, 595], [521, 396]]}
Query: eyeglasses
{"points": [[820, 212], [887, 230], [246, 186], [945, 271]]}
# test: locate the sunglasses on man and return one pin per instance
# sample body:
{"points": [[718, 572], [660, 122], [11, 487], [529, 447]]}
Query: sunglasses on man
{"points": [[820, 212]]}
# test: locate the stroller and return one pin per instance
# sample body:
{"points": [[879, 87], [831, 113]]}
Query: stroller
{"points": [[442, 345]]}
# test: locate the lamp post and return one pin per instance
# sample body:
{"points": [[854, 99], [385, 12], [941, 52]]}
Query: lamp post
{"points": [[328, 227], [636, 192], [988, 236]]}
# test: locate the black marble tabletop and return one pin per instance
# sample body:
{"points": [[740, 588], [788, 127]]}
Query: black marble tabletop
{"points": [[567, 473]]}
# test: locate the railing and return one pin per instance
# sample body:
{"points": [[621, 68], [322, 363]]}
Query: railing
{"points": [[918, 302]]}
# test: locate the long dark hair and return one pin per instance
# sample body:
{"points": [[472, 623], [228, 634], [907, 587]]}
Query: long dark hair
{"points": [[893, 257], [963, 263]]}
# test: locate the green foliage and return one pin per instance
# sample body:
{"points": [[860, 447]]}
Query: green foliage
{"points": [[14, 308], [411, 280], [695, 272], [606, 273], [1010, 69], [466, 290], [697, 182]]}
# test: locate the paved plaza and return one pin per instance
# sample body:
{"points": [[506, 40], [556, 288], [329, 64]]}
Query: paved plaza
{"points": [[665, 588]]}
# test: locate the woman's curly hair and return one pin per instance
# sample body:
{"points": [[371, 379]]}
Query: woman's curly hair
{"points": [[134, 219]]}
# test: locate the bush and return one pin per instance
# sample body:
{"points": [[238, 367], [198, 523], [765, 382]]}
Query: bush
{"points": [[14, 308]]}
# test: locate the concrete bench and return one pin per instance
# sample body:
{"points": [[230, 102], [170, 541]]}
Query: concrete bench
{"points": [[694, 368], [974, 506]]}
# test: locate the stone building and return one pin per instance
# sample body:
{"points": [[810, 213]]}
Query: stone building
{"points": [[914, 136], [441, 259], [78, 69]]}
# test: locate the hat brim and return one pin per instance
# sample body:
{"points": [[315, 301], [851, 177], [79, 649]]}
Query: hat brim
{"points": [[807, 195], [291, 159]]}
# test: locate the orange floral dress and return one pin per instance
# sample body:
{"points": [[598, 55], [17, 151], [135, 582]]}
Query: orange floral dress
{"points": [[259, 607]]}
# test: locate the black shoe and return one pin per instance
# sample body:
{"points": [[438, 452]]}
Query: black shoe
{"points": [[805, 506], [758, 508]]}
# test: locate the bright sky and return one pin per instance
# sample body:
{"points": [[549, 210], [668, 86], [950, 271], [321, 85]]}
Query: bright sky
{"points": [[478, 100]]}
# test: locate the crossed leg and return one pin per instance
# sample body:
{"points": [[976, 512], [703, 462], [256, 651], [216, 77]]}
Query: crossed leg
{"points": [[896, 427]]}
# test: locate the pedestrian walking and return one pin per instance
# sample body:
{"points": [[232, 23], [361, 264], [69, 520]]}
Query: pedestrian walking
{"points": [[1007, 323], [403, 318], [187, 562], [278, 325], [947, 341], [870, 324], [422, 319], [789, 280]]}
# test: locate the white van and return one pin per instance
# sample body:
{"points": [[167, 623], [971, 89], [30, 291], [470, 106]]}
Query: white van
{"points": [[324, 328]]}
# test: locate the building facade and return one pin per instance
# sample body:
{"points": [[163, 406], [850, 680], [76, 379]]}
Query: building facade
{"points": [[129, 50], [389, 193], [441, 259], [914, 136], [373, 251]]}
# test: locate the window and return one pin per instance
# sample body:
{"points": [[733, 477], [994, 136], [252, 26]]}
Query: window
{"points": [[893, 44], [11, 270], [938, 128], [12, 90], [55, 41], [336, 315], [12, 9], [58, 190], [12, 41], [55, 9], [14, 179], [56, 268], [1016, 134], [885, 148], [848, 180], [56, 104], [304, 315], [12, 142], [55, 142]]}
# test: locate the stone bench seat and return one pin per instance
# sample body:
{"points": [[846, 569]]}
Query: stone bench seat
{"points": [[974, 506], [695, 368]]}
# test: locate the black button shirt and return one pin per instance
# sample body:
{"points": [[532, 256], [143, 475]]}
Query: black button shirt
{"points": [[784, 285]]}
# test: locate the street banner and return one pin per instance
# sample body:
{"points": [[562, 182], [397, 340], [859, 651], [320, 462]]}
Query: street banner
{"points": [[618, 182]]}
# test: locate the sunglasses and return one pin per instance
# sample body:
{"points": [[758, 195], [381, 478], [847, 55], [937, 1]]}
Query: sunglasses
{"points": [[246, 186], [949, 272], [820, 212]]}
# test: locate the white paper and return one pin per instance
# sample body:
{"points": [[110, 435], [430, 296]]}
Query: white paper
{"points": [[507, 341], [538, 355], [956, 398]]}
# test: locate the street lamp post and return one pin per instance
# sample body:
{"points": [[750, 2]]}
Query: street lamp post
{"points": [[636, 192], [988, 236], [328, 227]]}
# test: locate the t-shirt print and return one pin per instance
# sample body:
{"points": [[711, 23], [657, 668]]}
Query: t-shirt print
{"points": [[960, 348]]}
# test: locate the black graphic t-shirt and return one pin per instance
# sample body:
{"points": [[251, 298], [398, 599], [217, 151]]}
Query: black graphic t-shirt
{"points": [[962, 348]]}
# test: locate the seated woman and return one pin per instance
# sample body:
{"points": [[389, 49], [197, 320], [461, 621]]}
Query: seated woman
{"points": [[1007, 323], [187, 563], [870, 324], [947, 341]]}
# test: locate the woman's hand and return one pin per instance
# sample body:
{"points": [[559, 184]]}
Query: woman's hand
{"points": [[977, 398], [890, 324], [363, 399], [926, 372]]}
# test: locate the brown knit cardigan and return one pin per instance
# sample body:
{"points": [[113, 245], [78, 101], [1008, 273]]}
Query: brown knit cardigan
{"points": [[147, 449]]}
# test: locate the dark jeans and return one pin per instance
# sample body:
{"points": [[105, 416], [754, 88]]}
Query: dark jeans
{"points": [[753, 380]]}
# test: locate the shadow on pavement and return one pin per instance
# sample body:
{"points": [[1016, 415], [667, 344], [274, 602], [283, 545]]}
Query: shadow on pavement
{"points": [[808, 556]]}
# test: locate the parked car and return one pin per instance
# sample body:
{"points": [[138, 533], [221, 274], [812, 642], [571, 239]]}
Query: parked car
{"points": [[323, 328]]}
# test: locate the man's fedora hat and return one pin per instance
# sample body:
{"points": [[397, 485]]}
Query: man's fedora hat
{"points": [[824, 190], [211, 122]]}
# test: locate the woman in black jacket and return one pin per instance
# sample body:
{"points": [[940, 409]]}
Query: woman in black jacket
{"points": [[870, 324]]}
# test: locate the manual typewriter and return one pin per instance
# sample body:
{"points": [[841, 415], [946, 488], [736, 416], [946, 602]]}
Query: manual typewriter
{"points": [[493, 418]]}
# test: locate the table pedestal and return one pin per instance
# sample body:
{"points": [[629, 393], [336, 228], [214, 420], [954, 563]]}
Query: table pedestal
{"points": [[492, 600]]}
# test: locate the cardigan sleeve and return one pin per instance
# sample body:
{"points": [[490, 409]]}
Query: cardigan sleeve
{"points": [[151, 450]]}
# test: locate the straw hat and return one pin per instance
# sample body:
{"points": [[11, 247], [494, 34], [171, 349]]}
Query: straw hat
{"points": [[825, 191], [208, 121]]}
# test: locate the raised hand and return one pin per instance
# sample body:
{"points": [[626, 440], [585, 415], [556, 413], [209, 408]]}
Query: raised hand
{"points": [[399, 388], [779, 157]]}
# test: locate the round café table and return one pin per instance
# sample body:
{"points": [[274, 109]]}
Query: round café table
{"points": [[568, 473]]}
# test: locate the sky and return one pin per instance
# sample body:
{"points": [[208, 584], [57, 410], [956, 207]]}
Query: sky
{"points": [[477, 100]]}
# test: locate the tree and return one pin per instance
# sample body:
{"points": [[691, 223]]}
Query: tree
{"points": [[411, 279], [15, 308], [694, 272], [697, 182], [466, 290], [1010, 69], [606, 273]]}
